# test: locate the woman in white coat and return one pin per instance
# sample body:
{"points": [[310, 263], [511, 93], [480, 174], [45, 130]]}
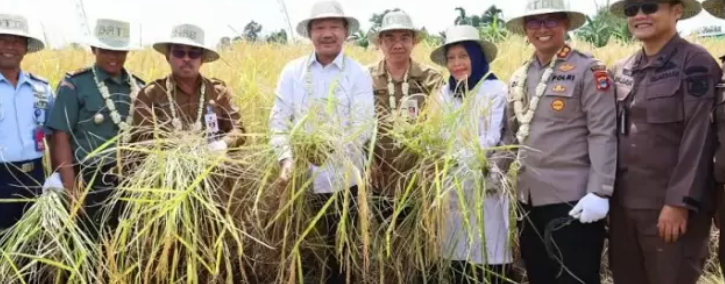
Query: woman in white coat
{"points": [[475, 228]]}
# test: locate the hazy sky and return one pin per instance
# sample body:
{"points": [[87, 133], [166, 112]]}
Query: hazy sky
{"points": [[152, 19]]}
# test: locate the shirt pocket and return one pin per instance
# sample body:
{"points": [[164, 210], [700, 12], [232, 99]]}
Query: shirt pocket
{"points": [[559, 102], [663, 104]]}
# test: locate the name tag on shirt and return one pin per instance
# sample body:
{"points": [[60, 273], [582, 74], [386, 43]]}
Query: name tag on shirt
{"points": [[211, 122]]}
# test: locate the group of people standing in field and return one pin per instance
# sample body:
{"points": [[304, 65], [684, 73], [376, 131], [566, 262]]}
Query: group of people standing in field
{"points": [[635, 146]]}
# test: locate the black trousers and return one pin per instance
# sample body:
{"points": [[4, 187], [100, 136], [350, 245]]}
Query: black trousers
{"points": [[17, 184], [574, 249], [101, 182], [463, 272], [334, 271]]}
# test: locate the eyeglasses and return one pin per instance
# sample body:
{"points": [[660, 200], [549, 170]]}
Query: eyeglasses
{"points": [[193, 54], [537, 24], [648, 8]]}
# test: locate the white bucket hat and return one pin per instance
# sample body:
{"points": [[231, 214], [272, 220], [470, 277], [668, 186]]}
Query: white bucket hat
{"points": [[112, 35], [715, 8], [326, 9], [692, 8], [463, 33], [542, 7], [191, 35], [396, 20], [18, 26]]}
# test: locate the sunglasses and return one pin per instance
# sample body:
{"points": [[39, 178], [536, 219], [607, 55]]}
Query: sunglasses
{"points": [[193, 54], [647, 8], [537, 24]]}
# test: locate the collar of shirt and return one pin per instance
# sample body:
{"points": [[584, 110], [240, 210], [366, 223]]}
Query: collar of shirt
{"points": [[564, 55], [23, 78], [103, 76], [416, 70], [339, 60], [662, 57]]}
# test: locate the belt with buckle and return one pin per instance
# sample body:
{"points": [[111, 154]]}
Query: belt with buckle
{"points": [[22, 166]]}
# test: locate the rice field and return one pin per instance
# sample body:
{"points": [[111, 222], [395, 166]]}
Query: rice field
{"points": [[195, 217]]}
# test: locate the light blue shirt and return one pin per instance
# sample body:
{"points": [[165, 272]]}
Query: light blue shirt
{"points": [[18, 121], [343, 91]]}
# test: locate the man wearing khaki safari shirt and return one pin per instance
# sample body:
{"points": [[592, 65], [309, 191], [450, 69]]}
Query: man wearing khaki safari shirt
{"points": [[401, 86], [661, 211], [561, 110]]}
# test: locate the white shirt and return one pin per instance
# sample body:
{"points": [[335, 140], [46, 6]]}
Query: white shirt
{"points": [[483, 239], [351, 123]]}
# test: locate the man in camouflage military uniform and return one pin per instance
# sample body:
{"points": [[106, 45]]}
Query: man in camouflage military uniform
{"points": [[661, 210], [561, 111], [401, 85], [187, 100], [717, 9], [93, 106]]}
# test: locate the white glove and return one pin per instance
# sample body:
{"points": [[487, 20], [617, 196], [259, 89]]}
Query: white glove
{"points": [[218, 146], [590, 209], [54, 183]]}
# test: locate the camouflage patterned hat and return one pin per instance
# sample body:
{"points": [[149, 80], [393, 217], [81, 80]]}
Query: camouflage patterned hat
{"points": [[191, 35], [692, 8], [112, 35], [715, 8], [18, 26]]}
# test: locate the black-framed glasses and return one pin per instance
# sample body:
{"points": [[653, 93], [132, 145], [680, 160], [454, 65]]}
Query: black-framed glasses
{"points": [[647, 8], [534, 24], [193, 54]]}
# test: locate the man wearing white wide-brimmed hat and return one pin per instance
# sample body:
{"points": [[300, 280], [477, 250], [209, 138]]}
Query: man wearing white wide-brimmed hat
{"points": [[663, 203], [330, 91], [402, 86], [25, 101], [561, 112], [92, 106], [717, 9], [185, 100]]}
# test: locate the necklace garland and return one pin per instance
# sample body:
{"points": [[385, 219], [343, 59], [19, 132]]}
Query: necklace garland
{"points": [[405, 87], [123, 126], [175, 121], [519, 93]]}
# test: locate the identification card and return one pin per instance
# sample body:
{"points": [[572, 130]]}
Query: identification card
{"points": [[410, 109], [211, 122], [39, 138]]}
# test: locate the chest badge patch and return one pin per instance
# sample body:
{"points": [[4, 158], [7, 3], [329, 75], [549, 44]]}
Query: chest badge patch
{"points": [[558, 105], [559, 89], [566, 67]]}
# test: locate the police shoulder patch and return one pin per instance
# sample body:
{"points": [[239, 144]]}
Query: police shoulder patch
{"points": [[698, 80], [601, 76]]}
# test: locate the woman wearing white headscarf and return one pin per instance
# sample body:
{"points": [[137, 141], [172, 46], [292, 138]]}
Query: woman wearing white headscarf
{"points": [[475, 230]]}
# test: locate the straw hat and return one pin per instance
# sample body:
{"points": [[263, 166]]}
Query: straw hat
{"points": [[18, 26], [542, 7], [111, 35], [191, 35], [463, 33], [396, 20], [326, 9], [715, 8], [692, 8]]}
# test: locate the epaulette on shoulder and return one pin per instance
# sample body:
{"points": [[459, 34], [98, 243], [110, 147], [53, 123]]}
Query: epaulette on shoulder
{"points": [[78, 72], [38, 78], [217, 82]]}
